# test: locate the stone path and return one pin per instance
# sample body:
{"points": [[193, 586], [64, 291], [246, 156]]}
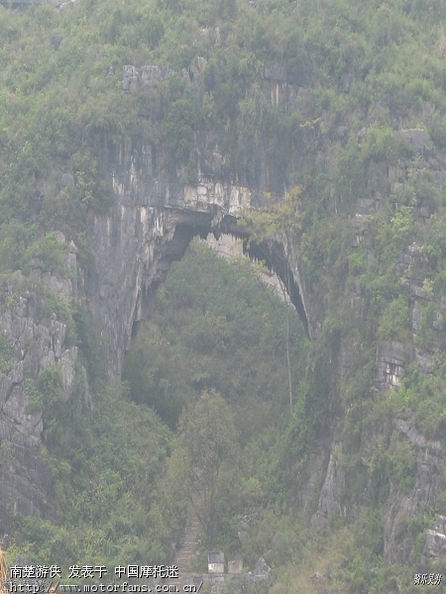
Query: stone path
{"points": [[188, 551]]}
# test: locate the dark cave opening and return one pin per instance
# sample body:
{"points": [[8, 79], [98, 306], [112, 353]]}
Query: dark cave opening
{"points": [[191, 224]]}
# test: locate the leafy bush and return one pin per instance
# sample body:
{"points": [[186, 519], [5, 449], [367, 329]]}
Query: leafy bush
{"points": [[395, 321], [46, 254]]}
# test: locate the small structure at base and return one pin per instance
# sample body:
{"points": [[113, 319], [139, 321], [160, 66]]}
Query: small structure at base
{"points": [[216, 562]]}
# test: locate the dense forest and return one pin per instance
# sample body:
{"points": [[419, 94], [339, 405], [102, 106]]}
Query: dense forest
{"points": [[120, 463], [328, 439]]}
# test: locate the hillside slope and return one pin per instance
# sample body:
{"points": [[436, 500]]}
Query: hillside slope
{"points": [[127, 127]]}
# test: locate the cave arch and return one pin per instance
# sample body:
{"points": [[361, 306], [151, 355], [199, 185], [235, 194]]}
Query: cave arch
{"points": [[131, 248], [272, 253], [134, 245]]}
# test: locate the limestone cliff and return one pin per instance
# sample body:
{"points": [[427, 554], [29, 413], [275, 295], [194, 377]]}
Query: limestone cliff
{"points": [[156, 212]]}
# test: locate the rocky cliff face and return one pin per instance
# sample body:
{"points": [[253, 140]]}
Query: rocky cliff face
{"points": [[132, 248], [33, 340], [150, 225]]}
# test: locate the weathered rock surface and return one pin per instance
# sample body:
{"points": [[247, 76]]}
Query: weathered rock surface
{"points": [[132, 246], [37, 341], [435, 547]]}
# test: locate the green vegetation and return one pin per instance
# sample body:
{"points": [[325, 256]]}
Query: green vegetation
{"points": [[194, 342], [309, 100], [122, 480], [213, 358], [105, 458], [208, 451], [62, 97]]}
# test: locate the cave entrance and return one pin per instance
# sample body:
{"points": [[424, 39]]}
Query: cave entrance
{"points": [[216, 360], [188, 288], [190, 224]]}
